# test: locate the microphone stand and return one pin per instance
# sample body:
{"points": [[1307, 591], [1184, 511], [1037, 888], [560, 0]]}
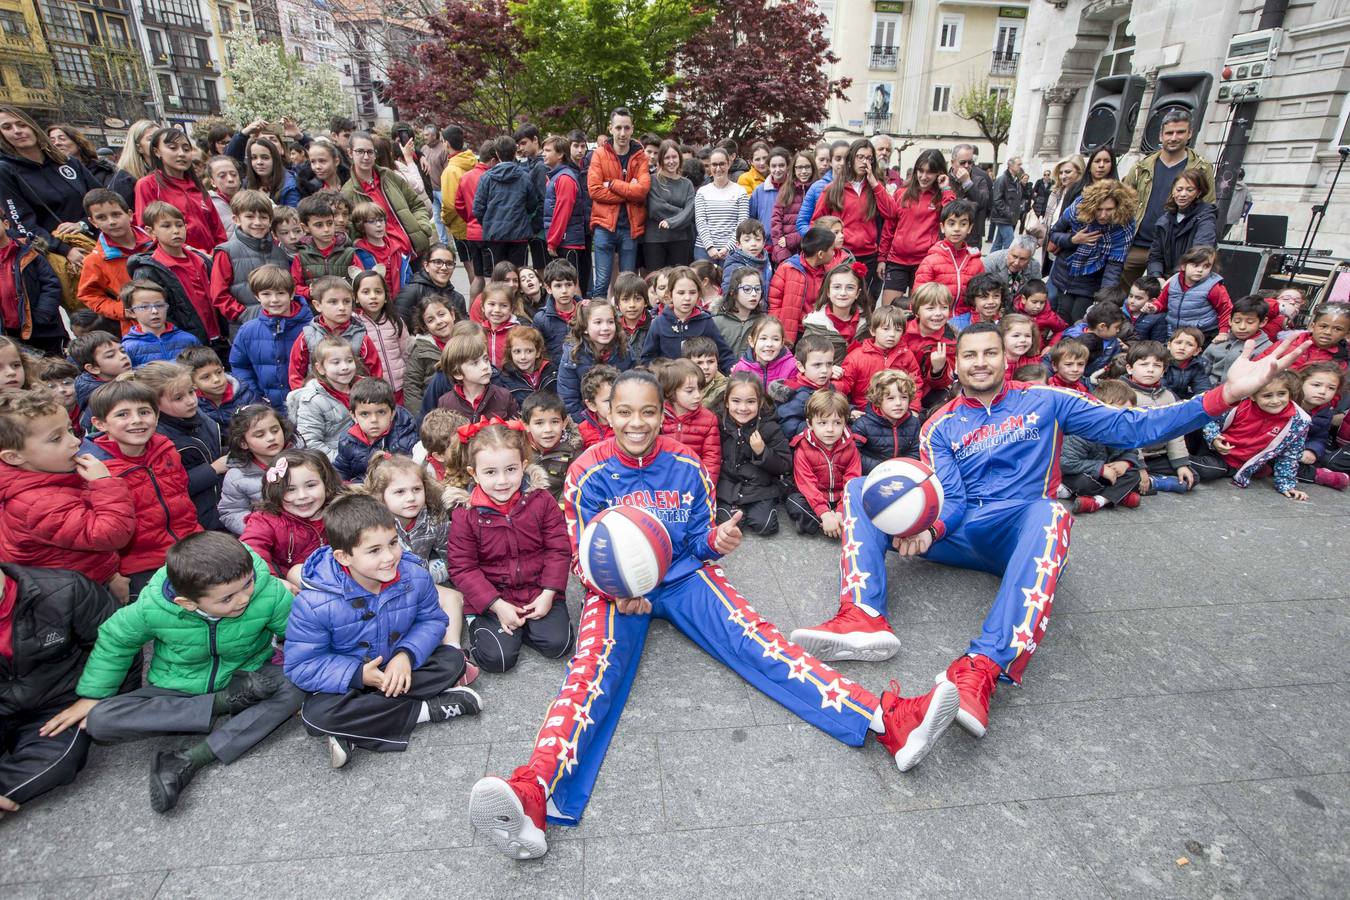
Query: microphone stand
{"points": [[1319, 212]]}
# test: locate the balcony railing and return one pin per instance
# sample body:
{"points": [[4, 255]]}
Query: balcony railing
{"points": [[181, 61], [153, 14], [879, 122], [884, 58], [195, 105], [1004, 63]]}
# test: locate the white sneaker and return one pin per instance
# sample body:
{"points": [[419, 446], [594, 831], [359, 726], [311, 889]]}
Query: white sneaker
{"points": [[339, 751]]}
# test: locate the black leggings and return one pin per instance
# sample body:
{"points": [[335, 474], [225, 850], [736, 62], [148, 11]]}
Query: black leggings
{"points": [[663, 254], [761, 516], [497, 651]]}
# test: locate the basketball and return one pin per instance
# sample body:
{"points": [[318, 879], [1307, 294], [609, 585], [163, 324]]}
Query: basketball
{"points": [[902, 497], [624, 551]]}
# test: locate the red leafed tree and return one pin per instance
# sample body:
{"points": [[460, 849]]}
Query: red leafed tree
{"points": [[470, 72], [757, 70]]}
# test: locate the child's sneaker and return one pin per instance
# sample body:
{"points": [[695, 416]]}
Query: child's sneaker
{"points": [[1170, 484], [975, 677], [914, 724], [1084, 505], [339, 751], [1130, 500], [1337, 481], [456, 702], [851, 634], [471, 673], [511, 814]]}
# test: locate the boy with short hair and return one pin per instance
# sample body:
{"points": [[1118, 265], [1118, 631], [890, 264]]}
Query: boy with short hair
{"points": [[197, 437], [1247, 322], [631, 299], [465, 362], [58, 375], [1167, 467], [101, 358], [59, 509], [1141, 310], [182, 272], [749, 251], [1097, 475], [373, 248], [331, 296], [326, 252], [554, 320], [985, 297], [1034, 301], [952, 262], [212, 613], [126, 415], [248, 249], [881, 350], [825, 457], [701, 350], [1098, 332], [105, 267], [887, 428], [438, 438], [342, 212], [596, 387], [815, 364], [364, 640], [261, 351], [380, 424], [218, 394], [796, 283], [553, 438], [153, 337], [1188, 372], [287, 231], [930, 338], [1068, 362]]}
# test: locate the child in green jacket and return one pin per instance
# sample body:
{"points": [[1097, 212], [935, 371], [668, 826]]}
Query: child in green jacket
{"points": [[212, 612]]}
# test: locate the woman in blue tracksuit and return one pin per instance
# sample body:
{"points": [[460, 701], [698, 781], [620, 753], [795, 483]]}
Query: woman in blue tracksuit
{"points": [[640, 467], [995, 451]]}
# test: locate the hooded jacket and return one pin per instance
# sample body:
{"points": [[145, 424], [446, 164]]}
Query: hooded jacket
{"points": [[38, 292], [143, 347], [391, 340], [866, 360], [860, 232], [746, 476], [197, 440], [408, 206], [420, 286], [783, 367], [952, 268], [668, 334], [320, 418], [282, 540], [512, 555], [699, 431], [521, 386], [495, 401], [105, 272], [821, 472], [60, 521], [158, 485], [56, 618], [240, 490], [354, 447], [912, 230], [261, 352], [456, 167], [793, 291], [881, 439], [506, 202], [736, 332], [464, 201], [40, 196], [555, 329], [1171, 238], [424, 355], [820, 322], [192, 653], [737, 259], [806, 213], [204, 228], [354, 332], [337, 625], [921, 346], [783, 224], [1188, 380]]}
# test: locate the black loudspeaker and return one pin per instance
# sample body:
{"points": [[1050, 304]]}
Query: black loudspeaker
{"points": [[1243, 269], [1267, 231], [1112, 113], [1183, 90]]}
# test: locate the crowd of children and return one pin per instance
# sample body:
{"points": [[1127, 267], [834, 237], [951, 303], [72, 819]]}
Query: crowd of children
{"points": [[300, 463]]}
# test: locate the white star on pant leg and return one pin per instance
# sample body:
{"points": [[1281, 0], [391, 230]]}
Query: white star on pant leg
{"points": [[1034, 598], [798, 669], [832, 696], [772, 648]]}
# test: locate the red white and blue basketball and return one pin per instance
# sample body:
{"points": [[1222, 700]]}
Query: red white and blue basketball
{"points": [[902, 497], [625, 551]]}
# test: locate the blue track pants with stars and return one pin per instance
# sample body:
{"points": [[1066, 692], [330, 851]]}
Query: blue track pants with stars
{"points": [[1026, 543], [571, 744]]}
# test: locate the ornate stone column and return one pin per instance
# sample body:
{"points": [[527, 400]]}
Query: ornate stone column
{"points": [[1056, 99]]}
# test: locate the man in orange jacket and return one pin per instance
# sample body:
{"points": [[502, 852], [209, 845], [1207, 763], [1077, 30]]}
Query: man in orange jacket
{"points": [[618, 180]]}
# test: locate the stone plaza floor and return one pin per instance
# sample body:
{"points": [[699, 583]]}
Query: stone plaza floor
{"points": [[1182, 732]]}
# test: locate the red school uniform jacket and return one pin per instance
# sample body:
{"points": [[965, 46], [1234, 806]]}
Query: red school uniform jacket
{"points": [[821, 472], [1079, 386], [204, 228], [593, 431], [282, 539], [494, 401], [952, 268], [793, 292], [860, 232], [60, 521], [158, 484], [922, 346], [512, 551], [699, 431], [910, 233], [1048, 323], [866, 360], [191, 272]]}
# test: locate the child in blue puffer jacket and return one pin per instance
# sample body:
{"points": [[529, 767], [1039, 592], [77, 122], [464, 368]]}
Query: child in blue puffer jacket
{"points": [[364, 639], [260, 353]]}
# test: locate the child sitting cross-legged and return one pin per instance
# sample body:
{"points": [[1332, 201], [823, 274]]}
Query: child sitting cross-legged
{"points": [[686, 419], [153, 337], [379, 424], [1167, 467], [1265, 430], [465, 362], [364, 640], [212, 613], [194, 435], [825, 457], [596, 388], [887, 429], [256, 437], [286, 525], [1098, 475], [509, 552], [755, 456], [1322, 383], [554, 439]]}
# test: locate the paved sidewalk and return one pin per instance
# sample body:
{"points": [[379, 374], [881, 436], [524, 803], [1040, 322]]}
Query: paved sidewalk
{"points": [[1182, 732]]}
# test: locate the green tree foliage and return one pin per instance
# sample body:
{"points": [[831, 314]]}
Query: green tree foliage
{"points": [[991, 112], [268, 83]]}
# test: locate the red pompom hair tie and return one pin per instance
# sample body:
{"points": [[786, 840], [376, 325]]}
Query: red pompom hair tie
{"points": [[465, 433], [860, 270]]}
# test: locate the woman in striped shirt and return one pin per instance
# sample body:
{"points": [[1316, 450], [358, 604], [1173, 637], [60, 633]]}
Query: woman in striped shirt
{"points": [[719, 207]]}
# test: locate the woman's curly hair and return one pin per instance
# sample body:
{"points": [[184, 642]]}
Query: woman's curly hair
{"points": [[1097, 193]]}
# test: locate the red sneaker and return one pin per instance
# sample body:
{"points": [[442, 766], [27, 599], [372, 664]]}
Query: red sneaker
{"points": [[511, 814], [914, 724], [975, 678], [1084, 505], [1337, 481], [1130, 500], [851, 634], [470, 675]]}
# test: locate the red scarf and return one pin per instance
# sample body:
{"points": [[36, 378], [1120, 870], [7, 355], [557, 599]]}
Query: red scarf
{"points": [[846, 327], [346, 399], [480, 498], [393, 234]]}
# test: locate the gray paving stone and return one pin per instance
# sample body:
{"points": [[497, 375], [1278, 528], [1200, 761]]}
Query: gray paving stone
{"points": [[131, 886], [1309, 722], [1302, 824], [1135, 843]]}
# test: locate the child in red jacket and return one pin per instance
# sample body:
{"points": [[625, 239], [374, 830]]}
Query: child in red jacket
{"points": [[882, 350], [825, 458], [58, 509], [509, 553], [287, 525], [1035, 302], [951, 262], [687, 419], [125, 413], [931, 340]]}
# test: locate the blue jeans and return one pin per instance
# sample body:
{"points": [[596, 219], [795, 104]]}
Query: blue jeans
{"points": [[436, 217], [606, 243], [1003, 237]]}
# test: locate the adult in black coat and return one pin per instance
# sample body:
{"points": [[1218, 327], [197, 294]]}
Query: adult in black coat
{"points": [[42, 189], [974, 184]]}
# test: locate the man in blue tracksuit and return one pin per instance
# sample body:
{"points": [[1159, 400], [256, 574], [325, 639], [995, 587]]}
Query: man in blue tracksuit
{"points": [[995, 451], [640, 467]]}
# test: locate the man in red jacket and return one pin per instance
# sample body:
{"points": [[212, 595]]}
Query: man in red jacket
{"points": [[619, 181]]}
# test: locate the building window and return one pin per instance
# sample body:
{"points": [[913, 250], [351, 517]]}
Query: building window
{"points": [[175, 12], [31, 76], [827, 10], [942, 97], [226, 20], [203, 53], [63, 23], [159, 56], [117, 31], [74, 65], [1118, 56], [885, 52], [949, 32], [1002, 93], [12, 23]]}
